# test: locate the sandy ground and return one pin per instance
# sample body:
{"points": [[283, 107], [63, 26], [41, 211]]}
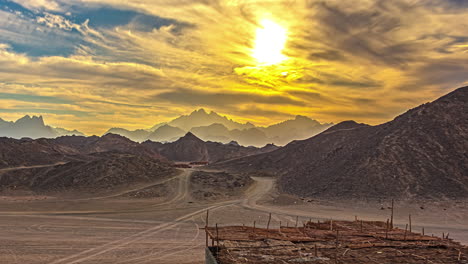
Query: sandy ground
{"points": [[119, 229]]}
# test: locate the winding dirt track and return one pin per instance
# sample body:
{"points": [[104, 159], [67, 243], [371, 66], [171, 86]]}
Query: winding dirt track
{"points": [[31, 167]]}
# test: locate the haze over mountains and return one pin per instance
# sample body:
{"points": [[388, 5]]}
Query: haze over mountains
{"points": [[420, 154], [214, 127], [32, 127], [207, 126]]}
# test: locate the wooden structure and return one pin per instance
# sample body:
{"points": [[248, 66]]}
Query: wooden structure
{"points": [[330, 241]]}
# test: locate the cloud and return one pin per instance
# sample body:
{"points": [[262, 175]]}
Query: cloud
{"points": [[224, 99], [134, 63]]}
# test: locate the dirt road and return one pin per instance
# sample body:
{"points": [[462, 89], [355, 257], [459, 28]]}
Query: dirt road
{"points": [[117, 229]]}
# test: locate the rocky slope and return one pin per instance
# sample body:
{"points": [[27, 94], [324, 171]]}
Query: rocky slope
{"points": [[420, 154], [99, 172], [190, 148]]}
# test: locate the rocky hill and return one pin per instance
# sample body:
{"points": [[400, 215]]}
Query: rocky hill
{"points": [[99, 172], [420, 154], [190, 148]]}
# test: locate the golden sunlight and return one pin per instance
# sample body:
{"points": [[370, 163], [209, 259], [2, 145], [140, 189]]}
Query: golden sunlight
{"points": [[269, 43]]}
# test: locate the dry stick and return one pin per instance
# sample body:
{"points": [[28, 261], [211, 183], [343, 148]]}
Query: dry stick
{"points": [[297, 219], [443, 235], [423, 231], [386, 229], [391, 219], [336, 248], [446, 237], [269, 219], [280, 227], [406, 230], [206, 227], [410, 229], [361, 226], [316, 253], [331, 224], [217, 239]]}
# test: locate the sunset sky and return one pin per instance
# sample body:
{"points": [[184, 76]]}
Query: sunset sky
{"points": [[91, 65]]}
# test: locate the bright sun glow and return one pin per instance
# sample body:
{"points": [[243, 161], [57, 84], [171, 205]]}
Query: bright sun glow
{"points": [[269, 43]]}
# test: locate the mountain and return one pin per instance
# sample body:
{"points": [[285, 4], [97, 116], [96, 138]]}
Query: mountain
{"points": [[166, 133], [214, 132], [299, 128], [32, 127], [202, 118], [420, 154], [66, 132], [99, 172], [190, 148], [138, 135]]}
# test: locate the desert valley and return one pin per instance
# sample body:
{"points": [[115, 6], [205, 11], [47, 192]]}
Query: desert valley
{"points": [[108, 199]]}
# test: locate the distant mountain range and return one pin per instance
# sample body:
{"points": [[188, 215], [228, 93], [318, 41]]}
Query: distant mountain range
{"points": [[214, 127], [420, 154], [207, 126], [32, 127]]}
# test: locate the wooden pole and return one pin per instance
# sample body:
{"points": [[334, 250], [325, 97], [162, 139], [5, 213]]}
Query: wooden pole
{"points": [[331, 224], [316, 252], [361, 226], [336, 247], [217, 239], [386, 229], [410, 227], [297, 219], [269, 219], [206, 228], [423, 231], [406, 230], [391, 217]]}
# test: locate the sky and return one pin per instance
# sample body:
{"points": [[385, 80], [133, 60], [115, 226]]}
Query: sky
{"points": [[91, 65]]}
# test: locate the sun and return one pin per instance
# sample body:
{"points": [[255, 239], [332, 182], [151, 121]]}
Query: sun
{"points": [[269, 43]]}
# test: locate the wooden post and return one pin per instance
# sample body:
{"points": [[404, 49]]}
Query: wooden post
{"points": [[423, 231], [217, 239], [391, 217], [269, 219], [355, 218], [410, 229], [297, 219], [406, 230], [331, 224], [287, 224], [206, 228], [446, 237], [361, 226], [316, 252], [280, 227], [443, 235], [386, 229], [217, 235], [336, 248]]}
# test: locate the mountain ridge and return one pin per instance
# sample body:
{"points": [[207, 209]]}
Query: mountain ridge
{"points": [[419, 154]]}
